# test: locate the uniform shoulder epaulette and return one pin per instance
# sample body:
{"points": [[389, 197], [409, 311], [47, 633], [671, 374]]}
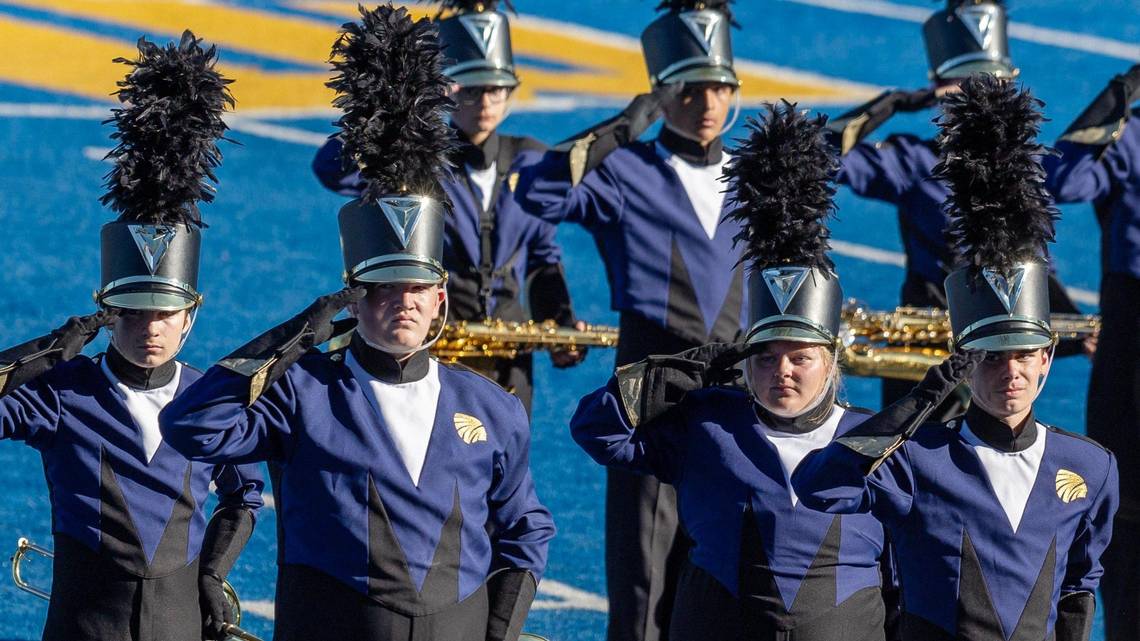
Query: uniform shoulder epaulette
{"points": [[1079, 437], [191, 367]]}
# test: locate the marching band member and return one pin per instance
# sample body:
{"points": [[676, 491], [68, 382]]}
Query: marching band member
{"points": [[1097, 164], [967, 37], [492, 251], [655, 209], [763, 566], [998, 522], [134, 556], [406, 501]]}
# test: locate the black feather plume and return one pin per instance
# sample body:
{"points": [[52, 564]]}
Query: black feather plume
{"points": [[390, 83], [167, 133], [781, 189], [722, 6], [471, 6], [1000, 212]]}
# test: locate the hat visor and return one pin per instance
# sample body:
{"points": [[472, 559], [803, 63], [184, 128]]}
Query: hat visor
{"points": [[406, 273], [486, 78], [791, 333], [723, 75], [967, 69], [1007, 340], [149, 300]]}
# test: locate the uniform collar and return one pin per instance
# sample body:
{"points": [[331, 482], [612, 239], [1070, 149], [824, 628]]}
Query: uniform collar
{"points": [[478, 156], [140, 378], [804, 423], [384, 367], [998, 435], [690, 150]]}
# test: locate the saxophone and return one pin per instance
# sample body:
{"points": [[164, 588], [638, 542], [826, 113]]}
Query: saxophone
{"points": [[907, 341], [494, 338]]}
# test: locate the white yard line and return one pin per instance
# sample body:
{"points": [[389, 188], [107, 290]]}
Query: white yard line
{"points": [[1020, 31]]}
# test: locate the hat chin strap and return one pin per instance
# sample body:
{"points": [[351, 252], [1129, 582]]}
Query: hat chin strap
{"points": [[192, 313], [735, 115], [824, 393], [438, 335], [1044, 379]]}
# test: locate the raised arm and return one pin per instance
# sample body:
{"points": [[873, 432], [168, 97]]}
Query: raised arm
{"points": [[867, 469], [1090, 155], [571, 183], [886, 170], [637, 422], [521, 532], [242, 409], [29, 405]]}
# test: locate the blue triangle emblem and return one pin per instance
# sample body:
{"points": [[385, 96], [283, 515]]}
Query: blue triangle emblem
{"points": [[482, 27], [784, 283], [403, 215], [152, 242], [703, 25]]}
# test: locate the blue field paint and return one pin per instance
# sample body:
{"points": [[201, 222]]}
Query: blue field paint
{"points": [[272, 247]]}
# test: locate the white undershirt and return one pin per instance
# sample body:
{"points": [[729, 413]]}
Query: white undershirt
{"points": [[485, 179], [792, 448], [144, 406], [702, 185], [407, 411], [1011, 474]]}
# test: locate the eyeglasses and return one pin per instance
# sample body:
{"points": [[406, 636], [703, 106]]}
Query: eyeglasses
{"points": [[468, 96]]}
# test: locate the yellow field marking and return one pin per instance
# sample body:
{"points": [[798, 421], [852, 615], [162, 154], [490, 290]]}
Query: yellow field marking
{"points": [[606, 66], [80, 64], [611, 66], [286, 38]]}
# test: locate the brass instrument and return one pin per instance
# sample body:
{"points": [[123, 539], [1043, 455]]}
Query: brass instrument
{"points": [[24, 547], [494, 338], [907, 341]]}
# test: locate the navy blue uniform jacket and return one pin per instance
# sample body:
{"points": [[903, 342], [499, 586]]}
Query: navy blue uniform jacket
{"points": [[726, 472], [660, 262], [1112, 184], [146, 517], [350, 509], [965, 572]]}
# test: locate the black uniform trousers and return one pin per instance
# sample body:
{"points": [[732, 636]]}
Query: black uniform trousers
{"points": [[706, 610], [92, 599], [1114, 421], [312, 606], [645, 546]]}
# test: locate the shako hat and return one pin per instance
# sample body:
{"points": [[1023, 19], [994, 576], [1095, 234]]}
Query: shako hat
{"points": [[690, 42], [391, 86], [167, 132], [967, 37], [1001, 216], [476, 39], [781, 189]]}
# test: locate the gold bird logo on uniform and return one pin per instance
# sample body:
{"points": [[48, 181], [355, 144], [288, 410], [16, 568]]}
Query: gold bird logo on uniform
{"points": [[469, 428], [1070, 486]]}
